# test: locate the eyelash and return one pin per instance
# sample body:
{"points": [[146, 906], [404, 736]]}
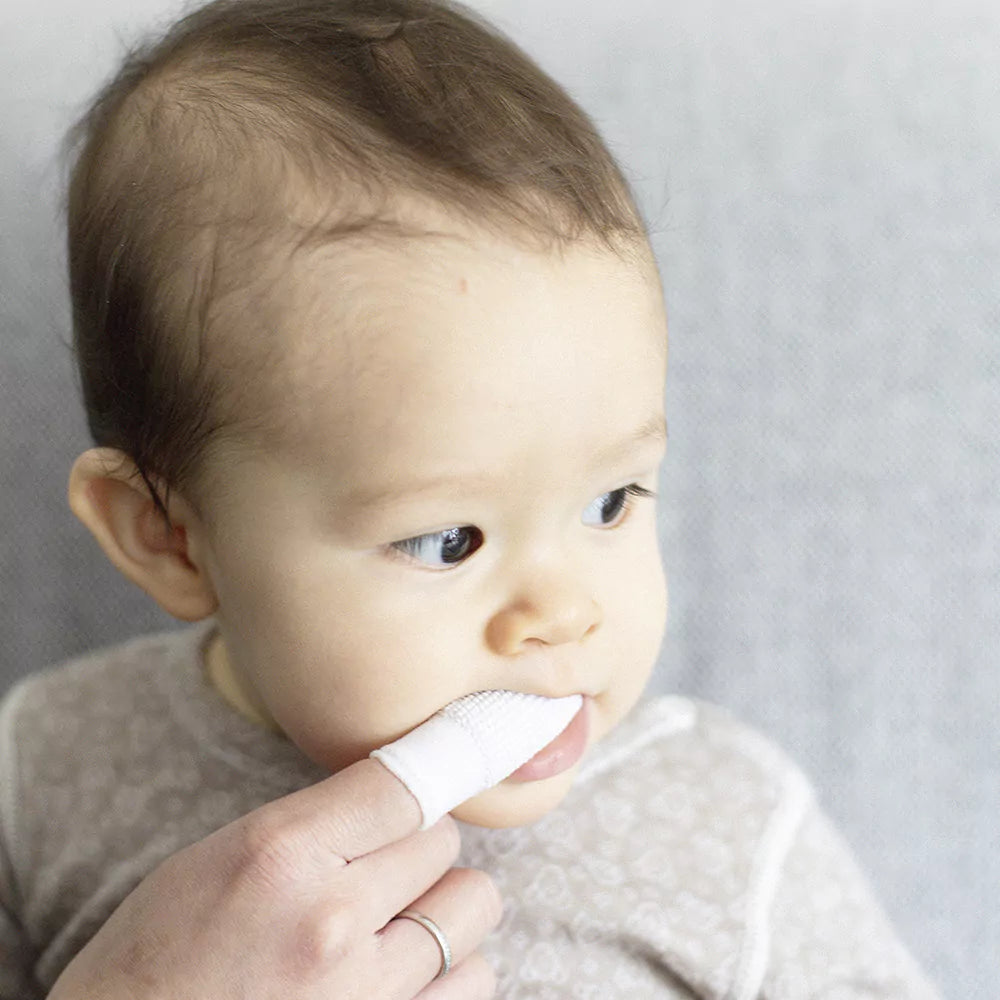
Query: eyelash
{"points": [[408, 548], [629, 494]]}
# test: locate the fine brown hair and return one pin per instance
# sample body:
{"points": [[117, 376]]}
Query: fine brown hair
{"points": [[192, 165]]}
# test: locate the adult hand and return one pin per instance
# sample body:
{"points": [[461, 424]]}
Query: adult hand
{"points": [[297, 899]]}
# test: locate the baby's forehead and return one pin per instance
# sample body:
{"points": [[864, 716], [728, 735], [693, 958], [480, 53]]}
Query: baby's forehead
{"points": [[434, 279], [328, 323], [376, 310]]}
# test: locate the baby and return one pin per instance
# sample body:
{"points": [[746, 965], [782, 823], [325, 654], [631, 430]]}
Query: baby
{"points": [[373, 345]]}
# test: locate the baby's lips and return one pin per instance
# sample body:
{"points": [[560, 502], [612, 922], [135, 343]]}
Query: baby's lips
{"points": [[472, 744]]}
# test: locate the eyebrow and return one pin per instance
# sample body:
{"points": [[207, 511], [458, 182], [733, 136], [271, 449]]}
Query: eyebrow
{"points": [[653, 431]]}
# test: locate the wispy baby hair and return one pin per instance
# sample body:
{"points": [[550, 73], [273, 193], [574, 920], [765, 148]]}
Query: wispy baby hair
{"points": [[195, 163]]}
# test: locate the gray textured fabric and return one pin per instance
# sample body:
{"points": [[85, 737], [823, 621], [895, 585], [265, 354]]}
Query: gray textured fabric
{"points": [[689, 860], [823, 180]]}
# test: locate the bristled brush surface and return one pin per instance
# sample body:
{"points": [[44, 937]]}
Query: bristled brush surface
{"points": [[472, 744]]}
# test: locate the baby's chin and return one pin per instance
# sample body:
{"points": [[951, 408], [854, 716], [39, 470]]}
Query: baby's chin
{"points": [[516, 803]]}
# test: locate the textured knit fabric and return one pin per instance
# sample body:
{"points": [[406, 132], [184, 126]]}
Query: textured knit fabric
{"points": [[689, 860]]}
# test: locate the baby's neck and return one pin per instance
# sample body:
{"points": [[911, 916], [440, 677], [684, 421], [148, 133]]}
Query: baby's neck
{"points": [[230, 686]]}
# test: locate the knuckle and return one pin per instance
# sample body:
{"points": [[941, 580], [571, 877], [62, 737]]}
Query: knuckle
{"points": [[269, 851], [484, 896], [324, 938]]}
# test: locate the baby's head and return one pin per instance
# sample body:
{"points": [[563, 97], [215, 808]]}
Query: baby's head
{"points": [[372, 346]]}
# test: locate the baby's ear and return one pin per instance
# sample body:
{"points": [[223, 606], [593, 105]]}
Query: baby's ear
{"points": [[109, 496]]}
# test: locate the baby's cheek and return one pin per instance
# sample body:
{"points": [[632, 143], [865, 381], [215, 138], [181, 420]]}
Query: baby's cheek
{"points": [[635, 643], [640, 610], [652, 604]]}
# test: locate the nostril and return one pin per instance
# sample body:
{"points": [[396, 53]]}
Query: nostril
{"points": [[552, 618]]}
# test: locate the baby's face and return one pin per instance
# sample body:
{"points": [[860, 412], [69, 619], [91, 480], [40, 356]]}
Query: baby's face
{"points": [[464, 505]]}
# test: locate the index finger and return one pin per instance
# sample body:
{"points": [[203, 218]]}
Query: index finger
{"points": [[352, 813]]}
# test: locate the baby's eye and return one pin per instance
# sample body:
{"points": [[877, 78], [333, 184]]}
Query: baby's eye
{"points": [[442, 549], [611, 508]]}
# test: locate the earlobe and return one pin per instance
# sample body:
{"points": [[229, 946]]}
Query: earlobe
{"points": [[109, 496]]}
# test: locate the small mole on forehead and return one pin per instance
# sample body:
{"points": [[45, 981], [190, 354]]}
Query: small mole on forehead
{"points": [[463, 285]]}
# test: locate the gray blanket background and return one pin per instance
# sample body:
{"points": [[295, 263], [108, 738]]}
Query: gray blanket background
{"points": [[822, 178]]}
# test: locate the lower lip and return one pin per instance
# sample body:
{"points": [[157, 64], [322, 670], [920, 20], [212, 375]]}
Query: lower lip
{"points": [[561, 754]]}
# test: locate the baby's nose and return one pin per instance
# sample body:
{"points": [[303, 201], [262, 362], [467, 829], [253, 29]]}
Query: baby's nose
{"points": [[550, 611]]}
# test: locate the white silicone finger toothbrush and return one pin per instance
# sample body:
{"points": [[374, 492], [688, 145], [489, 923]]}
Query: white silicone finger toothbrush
{"points": [[472, 744]]}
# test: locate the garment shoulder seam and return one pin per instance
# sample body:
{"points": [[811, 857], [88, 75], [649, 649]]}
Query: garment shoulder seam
{"points": [[766, 870], [10, 781]]}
